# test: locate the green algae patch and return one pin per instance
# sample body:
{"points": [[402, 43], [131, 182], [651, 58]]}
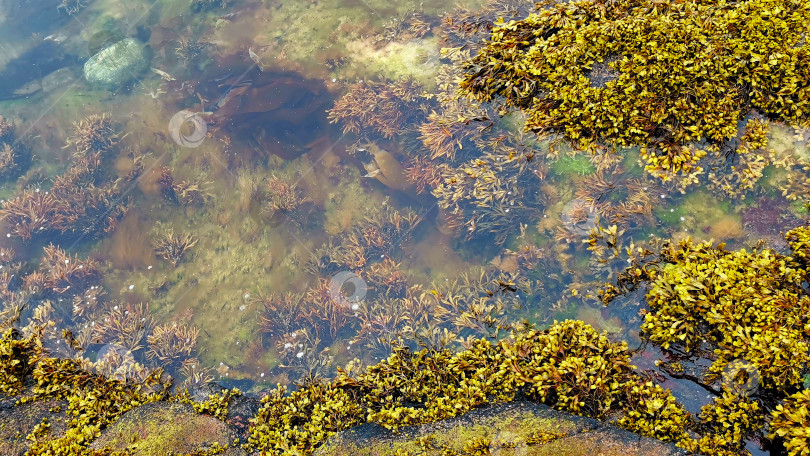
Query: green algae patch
{"points": [[519, 428], [577, 165], [417, 59], [703, 216], [166, 428], [325, 39]]}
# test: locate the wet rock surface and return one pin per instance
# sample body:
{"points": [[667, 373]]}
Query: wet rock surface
{"points": [[17, 421], [519, 429], [166, 428], [240, 408]]}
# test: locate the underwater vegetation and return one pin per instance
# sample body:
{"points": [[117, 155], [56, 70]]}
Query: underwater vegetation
{"points": [[94, 133], [15, 156], [89, 401], [187, 193], [750, 301], [499, 173], [58, 295], [382, 107], [309, 328], [85, 200], [173, 247], [72, 6], [569, 366]]}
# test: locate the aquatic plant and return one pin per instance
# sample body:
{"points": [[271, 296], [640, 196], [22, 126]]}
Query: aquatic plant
{"points": [[63, 273], [798, 183], [32, 212], [280, 199], [184, 192], [194, 373], [15, 364], [171, 343], [217, 404], [71, 6], [85, 303], [790, 422], [7, 135], [303, 353], [449, 130], [677, 320], [471, 27], [660, 97], [425, 174], [303, 420], [189, 49], [746, 312], [727, 422], [191, 193], [126, 325], [14, 300], [492, 191], [94, 400], [165, 182], [387, 108], [380, 233], [384, 322], [11, 161], [477, 305], [387, 277], [82, 201], [85, 171], [282, 313], [15, 156], [94, 133], [742, 167], [326, 315], [568, 165], [173, 247], [569, 366], [302, 326], [411, 25]]}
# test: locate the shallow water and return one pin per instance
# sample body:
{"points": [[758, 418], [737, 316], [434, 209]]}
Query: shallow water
{"points": [[282, 210]]}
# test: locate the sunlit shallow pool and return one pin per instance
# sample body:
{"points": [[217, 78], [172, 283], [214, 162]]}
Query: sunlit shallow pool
{"points": [[259, 192]]}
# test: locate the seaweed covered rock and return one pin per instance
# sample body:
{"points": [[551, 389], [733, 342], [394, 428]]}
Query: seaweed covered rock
{"points": [[570, 367], [675, 78], [749, 305], [113, 66], [518, 428], [745, 315]]}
